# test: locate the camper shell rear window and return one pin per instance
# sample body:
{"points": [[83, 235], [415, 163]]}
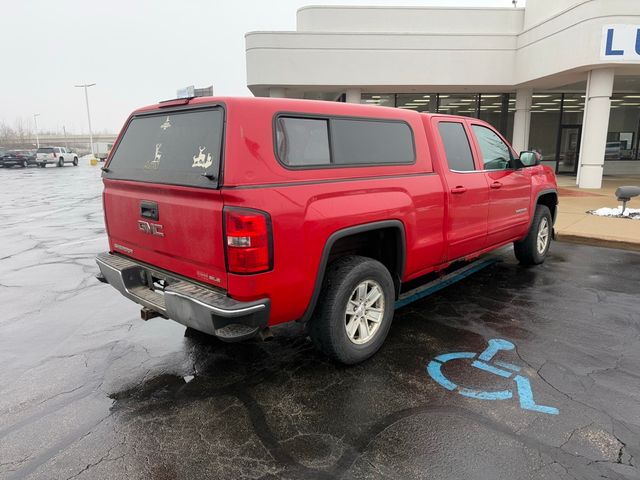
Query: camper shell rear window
{"points": [[181, 147]]}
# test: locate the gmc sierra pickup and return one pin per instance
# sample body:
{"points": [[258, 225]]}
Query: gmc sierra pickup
{"points": [[231, 215]]}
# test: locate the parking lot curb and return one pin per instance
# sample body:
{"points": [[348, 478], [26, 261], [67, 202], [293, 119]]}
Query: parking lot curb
{"points": [[598, 242]]}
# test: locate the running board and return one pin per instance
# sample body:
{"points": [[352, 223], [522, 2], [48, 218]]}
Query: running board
{"points": [[450, 278]]}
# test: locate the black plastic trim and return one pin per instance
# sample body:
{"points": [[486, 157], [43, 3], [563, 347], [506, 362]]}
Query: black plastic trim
{"points": [[367, 227], [541, 193]]}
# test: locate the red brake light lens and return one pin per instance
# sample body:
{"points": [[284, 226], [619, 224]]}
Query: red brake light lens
{"points": [[248, 240]]}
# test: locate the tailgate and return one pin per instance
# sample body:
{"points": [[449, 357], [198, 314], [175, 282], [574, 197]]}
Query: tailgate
{"points": [[161, 199]]}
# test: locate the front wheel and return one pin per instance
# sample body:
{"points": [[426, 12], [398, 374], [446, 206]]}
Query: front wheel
{"points": [[533, 249], [24, 164], [75, 161], [354, 311]]}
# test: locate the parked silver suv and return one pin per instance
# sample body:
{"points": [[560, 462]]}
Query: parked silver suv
{"points": [[56, 155]]}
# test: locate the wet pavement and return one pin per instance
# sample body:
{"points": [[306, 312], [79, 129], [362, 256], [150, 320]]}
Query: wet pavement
{"points": [[89, 391]]}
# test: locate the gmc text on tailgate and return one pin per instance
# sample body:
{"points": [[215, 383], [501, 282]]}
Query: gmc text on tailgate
{"points": [[233, 215]]}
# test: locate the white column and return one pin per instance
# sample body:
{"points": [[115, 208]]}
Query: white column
{"points": [[277, 92], [522, 119], [595, 125], [354, 95]]}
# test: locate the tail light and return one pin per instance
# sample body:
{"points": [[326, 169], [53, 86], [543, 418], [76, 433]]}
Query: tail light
{"points": [[248, 240]]}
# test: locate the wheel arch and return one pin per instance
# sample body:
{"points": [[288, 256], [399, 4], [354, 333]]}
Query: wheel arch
{"points": [[343, 241], [548, 198]]}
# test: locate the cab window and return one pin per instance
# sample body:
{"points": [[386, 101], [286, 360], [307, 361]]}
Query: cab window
{"points": [[456, 146], [496, 155]]}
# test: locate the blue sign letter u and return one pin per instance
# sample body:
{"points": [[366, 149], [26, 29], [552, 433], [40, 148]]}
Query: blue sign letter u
{"points": [[609, 50]]}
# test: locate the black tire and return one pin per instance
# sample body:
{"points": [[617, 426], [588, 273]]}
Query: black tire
{"points": [[328, 326], [75, 161], [43, 165], [61, 162], [526, 250], [24, 164]]}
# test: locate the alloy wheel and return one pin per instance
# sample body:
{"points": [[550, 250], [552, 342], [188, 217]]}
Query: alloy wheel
{"points": [[364, 312]]}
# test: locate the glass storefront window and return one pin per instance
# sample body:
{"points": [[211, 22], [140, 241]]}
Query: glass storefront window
{"points": [[382, 99], [465, 104], [492, 106], [548, 131], [624, 128], [573, 108], [545, 119], [420, 102]]}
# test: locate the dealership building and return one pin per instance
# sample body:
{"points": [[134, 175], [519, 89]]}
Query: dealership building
{"points": [[559, 76]]}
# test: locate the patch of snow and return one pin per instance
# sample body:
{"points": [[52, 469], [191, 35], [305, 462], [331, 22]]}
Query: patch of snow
{"points": [[617, 212]]}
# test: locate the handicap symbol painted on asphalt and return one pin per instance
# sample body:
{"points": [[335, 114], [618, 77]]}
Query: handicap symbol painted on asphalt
{"points": [[497, 367]]}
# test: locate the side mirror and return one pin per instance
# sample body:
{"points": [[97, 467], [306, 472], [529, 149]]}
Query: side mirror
{"points": [[530, 158]]}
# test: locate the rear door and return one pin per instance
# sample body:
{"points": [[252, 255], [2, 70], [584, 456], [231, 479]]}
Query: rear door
{"points": [[161, 198], [467, 190], [509, 188]]}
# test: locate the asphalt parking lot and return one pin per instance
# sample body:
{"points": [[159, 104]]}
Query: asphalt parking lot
{"points": [[89, 391]]}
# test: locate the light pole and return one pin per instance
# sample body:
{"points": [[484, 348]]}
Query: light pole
{"points": [[86, 97], [35, 120]]}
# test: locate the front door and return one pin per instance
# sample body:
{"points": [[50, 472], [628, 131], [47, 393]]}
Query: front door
{"points": [[467, 191], [509, 188], [568, 149]]}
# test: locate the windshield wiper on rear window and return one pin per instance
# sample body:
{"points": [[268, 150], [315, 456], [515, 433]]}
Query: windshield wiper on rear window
{"points": [[210, 176]]}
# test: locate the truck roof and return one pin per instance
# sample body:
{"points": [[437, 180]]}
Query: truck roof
{"points": [[293, 105]]}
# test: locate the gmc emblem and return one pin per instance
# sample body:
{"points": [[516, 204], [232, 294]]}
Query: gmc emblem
{"points": [[151, 228]]}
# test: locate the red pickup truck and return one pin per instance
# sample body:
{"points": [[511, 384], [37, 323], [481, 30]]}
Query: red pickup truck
{"points": [[231, 215]]}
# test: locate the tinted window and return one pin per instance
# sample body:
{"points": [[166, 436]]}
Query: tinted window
{"points": [[456, 146], [173, 148], [303, 141], [45, 150], [366, 142], [495, 153]]}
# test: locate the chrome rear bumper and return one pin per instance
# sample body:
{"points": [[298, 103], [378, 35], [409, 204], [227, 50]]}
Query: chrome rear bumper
{"points": [[205, 309]]}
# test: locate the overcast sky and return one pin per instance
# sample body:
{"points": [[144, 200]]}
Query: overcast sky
{"points": [[137, 51]]}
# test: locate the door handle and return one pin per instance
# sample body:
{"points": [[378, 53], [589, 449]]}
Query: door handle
{"points": [[496, 185], [458, 190], [149, 210]]}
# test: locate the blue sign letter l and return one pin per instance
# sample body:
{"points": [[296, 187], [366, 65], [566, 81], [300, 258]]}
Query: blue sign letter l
{"points": [[609, 50]]}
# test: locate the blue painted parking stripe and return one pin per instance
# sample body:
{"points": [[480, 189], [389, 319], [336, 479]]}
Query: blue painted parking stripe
{"points": [[491, 369], [499, 395], [526, 397], [507, 365]]}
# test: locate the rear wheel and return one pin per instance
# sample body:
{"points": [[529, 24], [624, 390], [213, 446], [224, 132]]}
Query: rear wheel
{"points": [[354, 311], [24, 164], [43, 165], [75, 161], [535, 246], [61, 162]]}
